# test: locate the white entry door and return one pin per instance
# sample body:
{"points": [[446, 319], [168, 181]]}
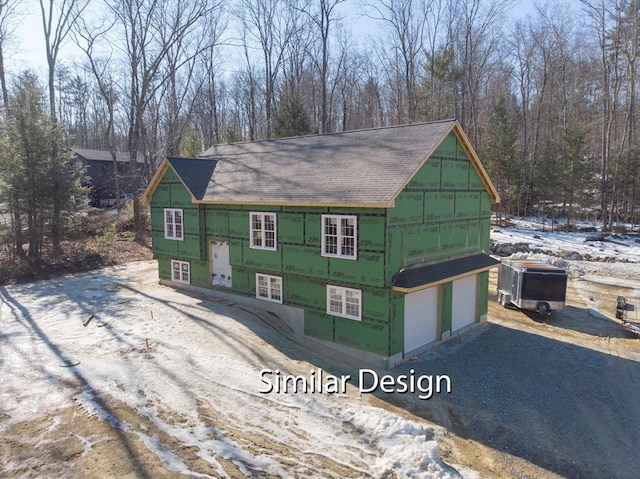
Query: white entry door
{"points": [[465, 298], [420, 318], [220, 266]]}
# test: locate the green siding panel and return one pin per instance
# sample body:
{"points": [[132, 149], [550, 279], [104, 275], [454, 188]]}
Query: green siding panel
{"points": [[162, 246], [180, 197], [157, 219], [395, 247], [164, 267], [453, 237], [368, 269], [371, 232], [290, 228], [189, 248], [269, 208], [239, 224], [307, 292], [467, 205], [305, 209], [423, 242], [485, 228], [448, 147], [162, 194], [235, 252], [261, 259], [375, 305], [485, 205], [455, 175], [170, 177], [396, 324], [473, 236], [439, 206], [483, 292], [446, 237], [475, 183], [240, 280], [305, 261], [354, 211], [460, 236], [373, 337], [312, 230], [191, 217], [200, 274], [427, 177], [446, 306], [217, 222], [318, 325], [408, 209]]}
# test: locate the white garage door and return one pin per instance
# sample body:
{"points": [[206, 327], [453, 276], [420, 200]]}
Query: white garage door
{"points": [[465, 292], [420, 318]]}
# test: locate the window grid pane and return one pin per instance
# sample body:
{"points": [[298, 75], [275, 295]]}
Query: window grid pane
{"points": [[173, 224], [339, 236], [269, 287], [181, 271], [263, 230], [275, 289], [344, 302]]}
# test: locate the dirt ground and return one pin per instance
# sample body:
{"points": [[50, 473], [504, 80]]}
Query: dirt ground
{"points": [[55, 446]]}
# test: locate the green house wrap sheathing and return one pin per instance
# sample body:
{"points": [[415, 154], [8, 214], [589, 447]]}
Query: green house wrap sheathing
{"points": [[441, 212]]}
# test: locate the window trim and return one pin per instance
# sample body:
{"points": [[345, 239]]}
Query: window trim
{"points": [[262, 230], [269, 297], [343, 291], [173, 224], [181, 264], [339, 236]]}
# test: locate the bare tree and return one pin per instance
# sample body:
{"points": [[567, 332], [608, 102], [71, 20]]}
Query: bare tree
{"points": [[8, 12], [406, 22], [268, 25], [57, 21], [151, 29]]}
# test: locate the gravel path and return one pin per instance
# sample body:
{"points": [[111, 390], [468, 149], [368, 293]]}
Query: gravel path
{"points": [[562, 400]]}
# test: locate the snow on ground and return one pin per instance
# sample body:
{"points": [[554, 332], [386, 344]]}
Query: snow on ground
{"points": [[614, 261], [539, 236], [185, 362]]}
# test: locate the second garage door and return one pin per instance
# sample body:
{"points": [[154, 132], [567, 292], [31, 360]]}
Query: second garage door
{"points": [[464, 302]]}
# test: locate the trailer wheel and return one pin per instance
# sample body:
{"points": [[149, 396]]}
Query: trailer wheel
{"points": [[544, 309]]}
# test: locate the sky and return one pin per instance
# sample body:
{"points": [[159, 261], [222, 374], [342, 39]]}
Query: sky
{"points": [[27, 49]]}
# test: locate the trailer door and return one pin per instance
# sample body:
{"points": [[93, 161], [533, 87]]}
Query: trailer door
{"points": [[465, 299]]}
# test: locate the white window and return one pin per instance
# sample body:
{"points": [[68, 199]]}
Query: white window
{"points": [[269, 287], [173, 224], [339, 236], [263, 230], [180, 271], [344, 302]]}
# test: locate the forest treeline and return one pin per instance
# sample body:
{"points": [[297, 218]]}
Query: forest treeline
{"points": [[547, 100]]}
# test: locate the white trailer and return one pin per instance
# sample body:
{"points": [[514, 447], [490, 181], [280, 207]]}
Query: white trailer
{"points": [[532, 285]]}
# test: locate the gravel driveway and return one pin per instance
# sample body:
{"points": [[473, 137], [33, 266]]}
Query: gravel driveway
{"points": [[565, 401]]}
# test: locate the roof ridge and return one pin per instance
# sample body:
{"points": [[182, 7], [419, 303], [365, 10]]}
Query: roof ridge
{"points": [[333, 133]]}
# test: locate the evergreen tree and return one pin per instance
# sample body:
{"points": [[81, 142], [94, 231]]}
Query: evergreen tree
{"points": [[292, 119], [500, 157], [29, 170]]}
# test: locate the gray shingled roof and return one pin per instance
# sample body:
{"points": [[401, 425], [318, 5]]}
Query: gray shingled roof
{"points": [[433, 273], [194, 172], [359, 167], [101, 155]]}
